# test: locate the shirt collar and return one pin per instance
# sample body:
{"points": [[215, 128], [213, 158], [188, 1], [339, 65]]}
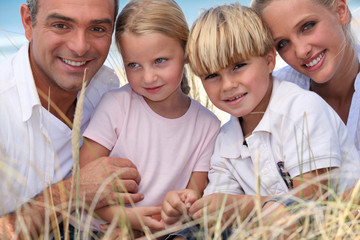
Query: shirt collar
{"points": [[28, 95], [231, 133]]}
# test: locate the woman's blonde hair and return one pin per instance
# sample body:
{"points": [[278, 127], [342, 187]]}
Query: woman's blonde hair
{"points": [[149, 16], [224, 35]]}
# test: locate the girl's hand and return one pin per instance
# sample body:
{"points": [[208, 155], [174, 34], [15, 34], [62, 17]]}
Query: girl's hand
{"points": [[176, 204], [140, 217]]}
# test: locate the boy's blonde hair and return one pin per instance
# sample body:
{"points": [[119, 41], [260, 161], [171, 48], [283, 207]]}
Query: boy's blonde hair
{"points": [[224, 35], [154, 16]]}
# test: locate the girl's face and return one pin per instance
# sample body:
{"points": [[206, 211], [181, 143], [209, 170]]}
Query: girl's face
{"points": [[154, 64], [309, 37], [243, 87]]}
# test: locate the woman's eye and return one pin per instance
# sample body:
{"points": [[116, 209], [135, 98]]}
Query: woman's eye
{"points": [[281, 44], [160, 60], [133, 65], [210, 76], [308, 26]]}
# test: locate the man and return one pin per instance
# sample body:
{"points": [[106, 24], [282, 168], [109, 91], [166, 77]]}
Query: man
{"points": [[38, 94]]}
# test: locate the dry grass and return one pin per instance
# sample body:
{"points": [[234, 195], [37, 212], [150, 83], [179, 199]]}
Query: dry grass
{"points": [[335, 219]]}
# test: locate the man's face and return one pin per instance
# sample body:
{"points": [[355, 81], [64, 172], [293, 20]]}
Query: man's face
{"points": [[69, 36]]}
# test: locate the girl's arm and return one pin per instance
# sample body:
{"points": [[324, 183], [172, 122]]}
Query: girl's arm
{"points": [[91, 151], [198, 182]]}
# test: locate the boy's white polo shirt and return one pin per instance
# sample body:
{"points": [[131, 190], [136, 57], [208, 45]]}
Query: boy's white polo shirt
{"points": [[35, 146], [284, 134]]}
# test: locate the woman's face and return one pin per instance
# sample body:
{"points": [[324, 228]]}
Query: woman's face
{"points": [[309, 37]]}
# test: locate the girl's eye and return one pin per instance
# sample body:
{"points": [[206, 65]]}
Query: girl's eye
{"points": [[239, 65], [160, 60], [210, 76], [281, 44], [308, 26], [133, 65]]}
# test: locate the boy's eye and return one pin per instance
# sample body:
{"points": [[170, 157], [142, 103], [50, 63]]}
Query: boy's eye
{"points": [[160, 60], [308, 26], [210, 76], [281, 44], [239, 65], [133, 65]]}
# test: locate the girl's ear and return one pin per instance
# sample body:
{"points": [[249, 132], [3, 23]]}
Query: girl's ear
{"points": [[271, 59], [26, 21], [342, 12]]}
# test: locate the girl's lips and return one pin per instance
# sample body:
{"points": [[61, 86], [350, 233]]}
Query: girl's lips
{"points": [[153, 89], [316, 62]]}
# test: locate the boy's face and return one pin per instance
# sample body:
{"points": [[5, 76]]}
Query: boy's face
{"points": [[243, 87]]}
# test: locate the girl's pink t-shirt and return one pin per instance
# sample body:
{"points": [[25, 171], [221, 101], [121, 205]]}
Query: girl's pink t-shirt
{"points": [[165, 151]]}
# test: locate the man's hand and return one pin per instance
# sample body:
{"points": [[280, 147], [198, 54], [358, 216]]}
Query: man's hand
{"points": [[115, 178]]}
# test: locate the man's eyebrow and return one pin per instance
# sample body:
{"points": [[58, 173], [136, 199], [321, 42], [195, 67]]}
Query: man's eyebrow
{"points": [[59, 17], [102, 21], [107, 21]]}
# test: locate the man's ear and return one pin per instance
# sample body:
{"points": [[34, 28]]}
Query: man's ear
{"points": [[271, 59], [26, 21], [342, 12]]}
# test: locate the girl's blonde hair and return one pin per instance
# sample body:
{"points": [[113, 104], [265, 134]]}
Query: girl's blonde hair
{"points": [[224, 35], [260, 5], [149, 16]]}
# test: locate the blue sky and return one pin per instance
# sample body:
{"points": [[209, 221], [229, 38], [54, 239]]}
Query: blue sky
{"points": [[11, 31]]}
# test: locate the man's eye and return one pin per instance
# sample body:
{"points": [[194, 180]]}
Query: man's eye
{"points": [[160, 60], [98, 29], [60, 26]]}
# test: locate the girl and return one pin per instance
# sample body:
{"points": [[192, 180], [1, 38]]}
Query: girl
{"points": [[151, 121], [279, 134], [316, 42]]}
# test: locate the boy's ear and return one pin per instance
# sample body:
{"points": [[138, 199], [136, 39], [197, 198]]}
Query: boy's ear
{"points": [[271, 59], [342, 12], [26, 21]]}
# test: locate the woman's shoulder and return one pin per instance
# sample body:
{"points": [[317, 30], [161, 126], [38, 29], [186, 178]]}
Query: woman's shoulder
{"points": [[289, 74]]}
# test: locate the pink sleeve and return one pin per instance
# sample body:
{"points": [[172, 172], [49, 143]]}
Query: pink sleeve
{"points": [[210, 130], [106, 120]]}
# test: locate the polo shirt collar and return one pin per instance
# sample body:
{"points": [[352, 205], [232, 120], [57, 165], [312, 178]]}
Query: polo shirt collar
{"points": [[28, 95], [233, 137]]}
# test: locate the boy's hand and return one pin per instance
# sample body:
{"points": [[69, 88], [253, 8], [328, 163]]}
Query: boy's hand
{"points": [[212, 205], [176, 204]]}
